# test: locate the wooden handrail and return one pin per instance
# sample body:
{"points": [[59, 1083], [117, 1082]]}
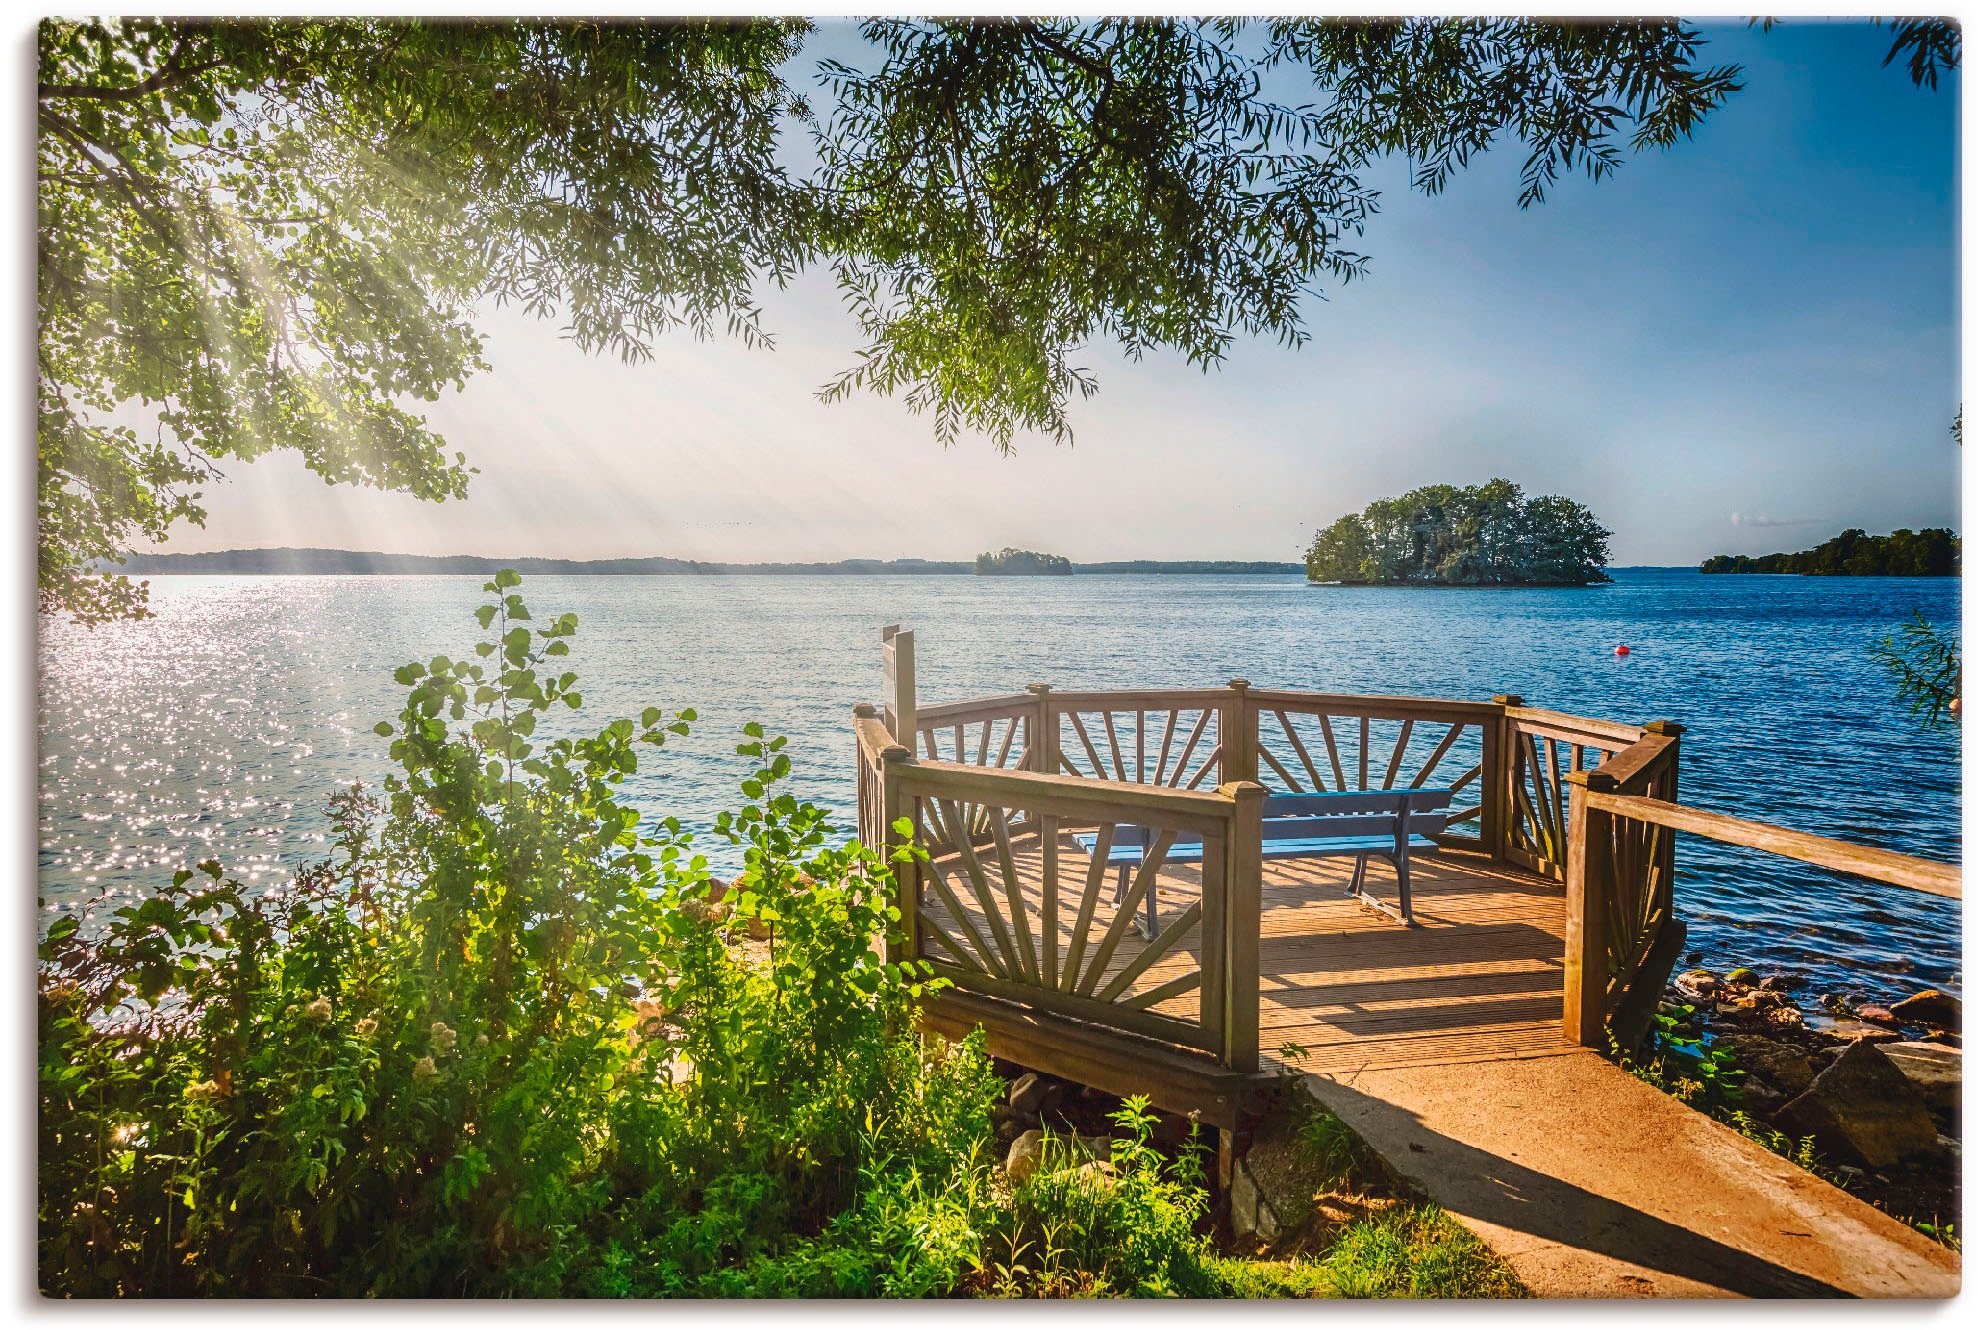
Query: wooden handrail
{"points": [[978, 708], [1380, 706], [1629, 767], [1872, 862], [1070, 796], [1572, 728]]}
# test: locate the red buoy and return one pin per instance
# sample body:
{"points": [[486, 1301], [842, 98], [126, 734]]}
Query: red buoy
{"points": [[1621, 650]]}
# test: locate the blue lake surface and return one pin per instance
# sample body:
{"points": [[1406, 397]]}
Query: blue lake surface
{"points": [[220, 727]]}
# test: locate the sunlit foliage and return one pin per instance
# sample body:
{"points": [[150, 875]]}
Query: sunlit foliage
{"points": [[275, 234]]}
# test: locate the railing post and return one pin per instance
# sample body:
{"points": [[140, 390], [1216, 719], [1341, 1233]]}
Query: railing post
{"points": [[1666, 787], [1589, 887], [1238, 724], [1243, 884], [896, 804], [1499, 748], [1044, 739]]}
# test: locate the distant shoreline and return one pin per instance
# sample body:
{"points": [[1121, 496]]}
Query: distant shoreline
{"points": [[322, 562]]}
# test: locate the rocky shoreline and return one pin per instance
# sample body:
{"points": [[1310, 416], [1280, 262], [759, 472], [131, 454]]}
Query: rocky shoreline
{"points": [[1876, 1090]]}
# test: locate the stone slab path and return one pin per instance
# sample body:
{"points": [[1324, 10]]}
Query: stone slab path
{"points": [[1592, 1184]]}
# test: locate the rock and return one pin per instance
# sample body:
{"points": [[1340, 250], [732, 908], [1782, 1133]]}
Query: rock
{"points": [[1698, 985], [1860, 1032], [1692, 958], [1760, 1097], [1741, 975], [1029, 1093], [1782, 1065], [1028, 1151], [1861, 1107], [1025, 1151], [1096, 1173], [1786, 1017], [1931, 1007], [1778, 983], [1249, 1213], [1875, 1015], [1937, 1072]]}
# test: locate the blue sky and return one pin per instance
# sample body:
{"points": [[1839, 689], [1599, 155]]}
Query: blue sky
{"points": [[1743, 344]]}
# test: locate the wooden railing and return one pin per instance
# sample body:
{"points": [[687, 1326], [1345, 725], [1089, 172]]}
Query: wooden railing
{"points": [[1622, 820], [1325, 742], [992, 908], [1539, 751], [993, 788]]}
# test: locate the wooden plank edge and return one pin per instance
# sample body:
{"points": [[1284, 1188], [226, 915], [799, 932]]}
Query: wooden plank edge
{"points": [[1119, 1064]]}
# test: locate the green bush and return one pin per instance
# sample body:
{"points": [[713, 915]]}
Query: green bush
{"points": [[505, 1041]]}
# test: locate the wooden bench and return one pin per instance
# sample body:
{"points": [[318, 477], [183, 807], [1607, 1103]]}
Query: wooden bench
{"points": [[1375, 823]]}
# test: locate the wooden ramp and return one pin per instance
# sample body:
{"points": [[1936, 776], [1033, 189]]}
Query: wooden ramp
{"points": [[1591, 1184]]}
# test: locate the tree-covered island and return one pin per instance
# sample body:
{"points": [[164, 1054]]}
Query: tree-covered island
{"points": [[1452, 535], [1935, 551], [1008, 562]]}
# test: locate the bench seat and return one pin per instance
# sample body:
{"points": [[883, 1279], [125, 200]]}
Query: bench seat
{"points": [[1312, 847], [1359, 823]]}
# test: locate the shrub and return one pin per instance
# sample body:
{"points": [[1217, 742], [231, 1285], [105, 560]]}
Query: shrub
{"points": [[505, 1041]]}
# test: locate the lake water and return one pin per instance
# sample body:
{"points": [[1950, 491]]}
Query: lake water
{"points": [[219, 727]]}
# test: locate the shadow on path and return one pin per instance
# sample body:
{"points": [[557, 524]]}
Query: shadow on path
{"points": [[1495, 1190]]}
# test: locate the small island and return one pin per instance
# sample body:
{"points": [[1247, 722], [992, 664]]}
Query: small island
{"points": [[1487, 535], [1932, 552], [1021, 563]]}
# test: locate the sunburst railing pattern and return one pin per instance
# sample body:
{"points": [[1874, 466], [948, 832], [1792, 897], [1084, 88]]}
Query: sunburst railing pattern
{"points": [[1544, 747]]}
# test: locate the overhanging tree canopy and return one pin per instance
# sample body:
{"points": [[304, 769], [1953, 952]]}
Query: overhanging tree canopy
{"points": [[265, 234]]}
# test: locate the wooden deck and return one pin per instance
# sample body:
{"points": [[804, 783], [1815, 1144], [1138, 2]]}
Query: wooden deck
{"points": [[1480, 979]]}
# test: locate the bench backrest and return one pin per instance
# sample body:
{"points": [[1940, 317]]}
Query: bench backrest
{"points": [[1312, 816], [1357, 813]]}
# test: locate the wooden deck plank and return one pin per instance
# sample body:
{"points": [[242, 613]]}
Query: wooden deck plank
{"points": [[1481, 978]]}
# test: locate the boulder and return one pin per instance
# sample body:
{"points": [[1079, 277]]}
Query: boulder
{"points": [[1026, 1152], [1698, 985], [1780, 1065], [1778, 983], [1862, 1108], [1029, 1152], [1933, 1008], [1741, 975], [1876, 1015], [1032, 1094], [1249, 1213], [1937, 1072]]}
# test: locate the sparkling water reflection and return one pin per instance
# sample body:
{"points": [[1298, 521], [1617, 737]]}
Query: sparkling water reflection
{"points": [[220, 727]]}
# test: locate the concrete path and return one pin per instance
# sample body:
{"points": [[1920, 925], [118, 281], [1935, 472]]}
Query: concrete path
{"points": [[1592, 1184]]}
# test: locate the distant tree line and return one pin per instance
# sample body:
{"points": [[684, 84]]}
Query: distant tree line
{"points": [[1450, 535], [1932, 552], [1021, 563]]}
